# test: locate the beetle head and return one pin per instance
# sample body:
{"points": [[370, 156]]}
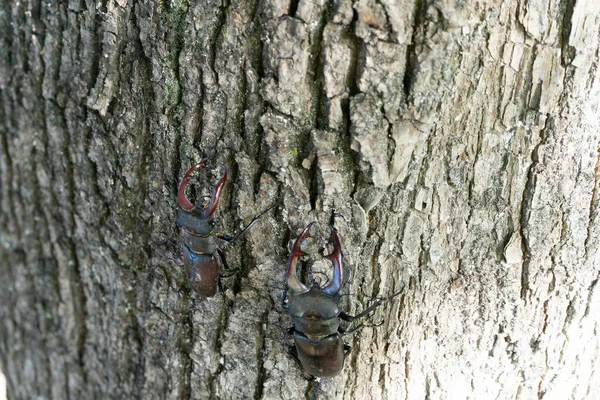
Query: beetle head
{"points": [[204, 210], [295, 285]]}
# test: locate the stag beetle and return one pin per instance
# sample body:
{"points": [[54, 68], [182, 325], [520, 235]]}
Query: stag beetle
{"points": [[201, 245], [316, 313]]}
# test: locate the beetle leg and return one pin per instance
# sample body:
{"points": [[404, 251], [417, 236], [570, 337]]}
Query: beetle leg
{"points": [[223, 261], [224, 237], [181, 197], [292, 280], [211, 207], [359, 327], [369, 309], [338, 265]]}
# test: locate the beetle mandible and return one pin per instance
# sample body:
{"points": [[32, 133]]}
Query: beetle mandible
{"points": [[200, 243], [316, 313]]}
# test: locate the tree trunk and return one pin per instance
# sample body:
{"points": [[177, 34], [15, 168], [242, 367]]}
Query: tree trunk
{"points": [[454, 145]]}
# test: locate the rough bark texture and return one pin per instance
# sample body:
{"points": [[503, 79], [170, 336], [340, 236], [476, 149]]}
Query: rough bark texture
{"points": [[455, 146]]}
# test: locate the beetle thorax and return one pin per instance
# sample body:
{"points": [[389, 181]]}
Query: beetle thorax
{"points": [[313, 305]]}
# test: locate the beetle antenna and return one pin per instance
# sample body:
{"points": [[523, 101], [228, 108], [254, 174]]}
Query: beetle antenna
{"points": [[377, 298], [361, 326], [320, 273], [255, 220]]}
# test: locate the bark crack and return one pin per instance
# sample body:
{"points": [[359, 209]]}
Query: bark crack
{"points": [[526, 202], [419, 13], [353, 77], [567, 52], [316, 69], [593, 207], [261, 375], [221, 327]]}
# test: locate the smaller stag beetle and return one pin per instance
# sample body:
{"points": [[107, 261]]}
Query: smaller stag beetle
{"points": [[201, 245], [317, 332]]}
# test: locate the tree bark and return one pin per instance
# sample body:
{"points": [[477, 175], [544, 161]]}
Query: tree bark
{"points": [[454, 145]]}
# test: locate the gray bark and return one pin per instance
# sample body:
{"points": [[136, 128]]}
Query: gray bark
{"points": [[454, 145]]}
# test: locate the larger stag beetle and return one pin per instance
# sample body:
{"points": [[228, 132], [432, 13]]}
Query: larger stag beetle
{"points": [[316, 313], [201, 246]]}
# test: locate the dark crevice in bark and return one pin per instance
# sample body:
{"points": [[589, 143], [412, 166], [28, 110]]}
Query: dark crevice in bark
{"points": [[141, 248], [221, 327], [526, 201], [37, 204], [215, 37], [293, 7], [357, 58], [536, 96], [423, 257], [102, 5], [13, 221], [8, 299], [412, 59], [425, 163], [175, 25], [77, 285], [407, 372], [357, 61], [570, 313], [590, 240], [256, 49], [289, 117], [401, 306], [58, 114], [246, 261], [176, 164], [286, 237], [188, 368], [529, 189], [567, 52], [253, 140], [242, 102], [261, 157], [196, 136], [391, 144], [214, 41], [591, 289], [592, 73], [261, 375], [524, 84], [381, 380], [314, 191], [40, 294], [316, 69], [103, 212], [375, 267], [473, 202], [6, 37], [95, 45], [352, 356]]}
